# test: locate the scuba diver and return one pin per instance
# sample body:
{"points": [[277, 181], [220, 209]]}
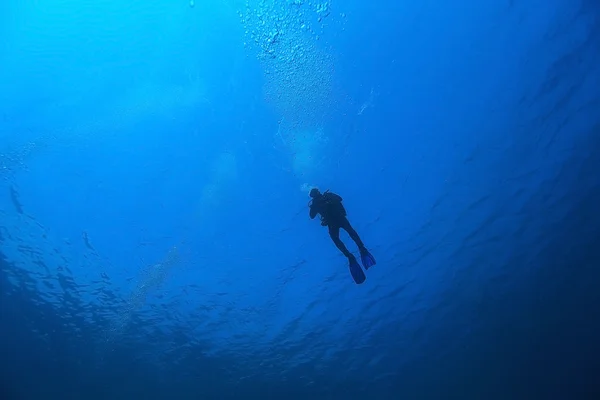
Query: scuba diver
{"points": [[333, 216]]}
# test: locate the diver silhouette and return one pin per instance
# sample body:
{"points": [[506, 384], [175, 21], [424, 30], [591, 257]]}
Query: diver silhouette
{"points": [[333, 216]]}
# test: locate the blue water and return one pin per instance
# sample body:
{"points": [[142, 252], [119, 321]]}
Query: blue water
{"points": [[155, 163]]}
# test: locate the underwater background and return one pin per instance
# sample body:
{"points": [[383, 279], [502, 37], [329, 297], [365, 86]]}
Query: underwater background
{"points": [[155, 163]]}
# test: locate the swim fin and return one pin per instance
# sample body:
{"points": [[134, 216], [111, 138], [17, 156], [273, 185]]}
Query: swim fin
{"points": [[356, 271], [367, 259]]}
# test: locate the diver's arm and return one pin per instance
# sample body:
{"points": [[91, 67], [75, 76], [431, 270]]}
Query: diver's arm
{"points": [[313, 212]]}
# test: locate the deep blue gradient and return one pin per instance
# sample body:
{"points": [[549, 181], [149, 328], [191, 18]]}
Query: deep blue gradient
{"points": [[155, 163]]}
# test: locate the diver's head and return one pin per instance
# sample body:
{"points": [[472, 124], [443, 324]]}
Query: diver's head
{"points": [[314, 193]]}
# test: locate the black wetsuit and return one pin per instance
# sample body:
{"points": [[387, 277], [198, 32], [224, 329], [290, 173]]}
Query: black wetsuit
{"points": [[333, 215]]}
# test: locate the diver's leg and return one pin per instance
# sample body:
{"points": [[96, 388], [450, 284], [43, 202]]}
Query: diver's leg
{"points": [[367, 258], [334, 232], [355, 270], [348, 228]]}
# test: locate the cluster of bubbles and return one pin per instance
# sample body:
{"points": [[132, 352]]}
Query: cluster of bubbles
{"points": [[285, 35], [224, 172], [13, 156], [150, 279], [270, 23], [304, 146]]}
